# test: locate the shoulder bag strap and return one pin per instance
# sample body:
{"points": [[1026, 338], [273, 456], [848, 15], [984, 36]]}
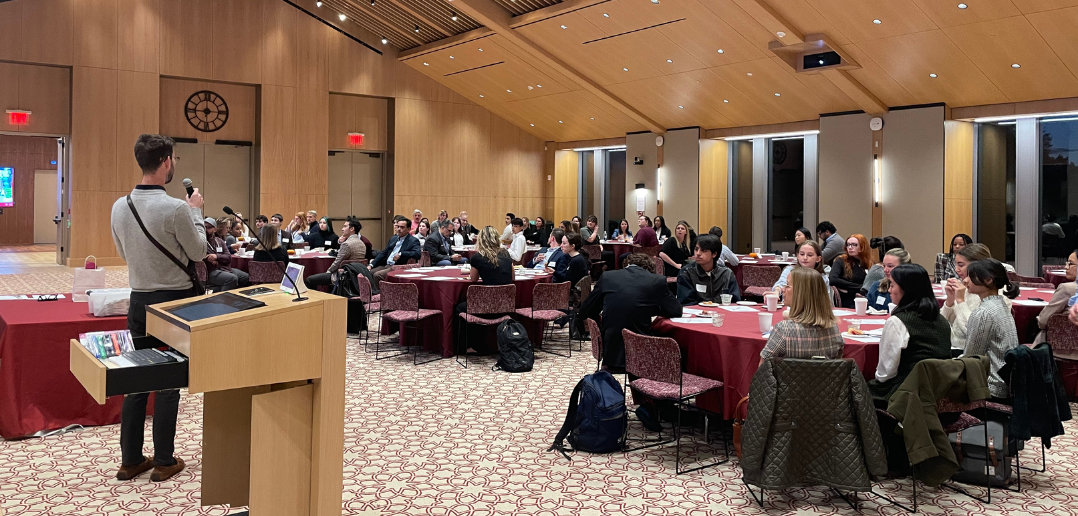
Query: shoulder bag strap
{"points": [[189, 268], [570, 421]]}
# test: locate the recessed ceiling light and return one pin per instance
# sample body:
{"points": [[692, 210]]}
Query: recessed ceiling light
{"points": [[877, 22], [426, 64], [318, 4], [606, 15], [480, 50], [962, 6], [372, 3], [384, 41], [533, 125], [451, 57], [564, 27], [538, 85], [625, 69], [681, 107], [932, 75], [342, 17], [669, 60], [509, 91], [654, 1], [593, 118], [481, 96], [749, 74], [560, 122], [530, 88], [780, 34], [724, 101], [417, 29], [721, 52], [821, 61], [778, 94], [454, 17], [1016, 65]]}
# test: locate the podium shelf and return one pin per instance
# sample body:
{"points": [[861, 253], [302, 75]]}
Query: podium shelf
{"points": [[102, 381]]}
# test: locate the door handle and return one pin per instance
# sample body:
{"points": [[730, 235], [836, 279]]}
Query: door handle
{"points": [[57, 220]]}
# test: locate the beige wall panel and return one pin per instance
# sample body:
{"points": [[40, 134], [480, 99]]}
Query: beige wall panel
{"points": [[312, 153], [845, 177], [96, 33], [354, 68], [317, 202], [9, 90], [913, 171], [91, 223], [714, 185], [342, 120], [44, 90], [566, 180], [242, 110], [640, 145], [279, 43], [187, 38], [278, 164], [93, 131], [138, 37], [958, 180], [47, 31], [11, 29], [237, 41], [137, 112], [681, 176], [310, 46], [348, 113]]}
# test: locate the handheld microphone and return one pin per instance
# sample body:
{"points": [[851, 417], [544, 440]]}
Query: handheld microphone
{"points": [[228, 211], [189, 186]]}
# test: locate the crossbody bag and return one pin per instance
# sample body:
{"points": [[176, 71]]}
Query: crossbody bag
{"points": [[189, 269]]}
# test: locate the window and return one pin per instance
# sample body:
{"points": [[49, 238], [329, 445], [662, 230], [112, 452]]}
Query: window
{"points": [[740, 241], [786, 187], [996, 166], [1059, 189]]}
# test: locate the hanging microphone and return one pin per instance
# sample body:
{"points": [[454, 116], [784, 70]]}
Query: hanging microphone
{"points": [[189, 186]]}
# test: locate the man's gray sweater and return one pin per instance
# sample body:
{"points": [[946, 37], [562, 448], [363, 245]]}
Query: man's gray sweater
{"points": [[177, 226]]}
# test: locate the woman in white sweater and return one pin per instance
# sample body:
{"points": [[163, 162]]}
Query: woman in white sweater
{"points": [[959, 305]]}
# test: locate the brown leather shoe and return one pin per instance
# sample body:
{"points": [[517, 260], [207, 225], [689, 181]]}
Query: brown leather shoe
{"points": [[129, 472], [162, 473]]}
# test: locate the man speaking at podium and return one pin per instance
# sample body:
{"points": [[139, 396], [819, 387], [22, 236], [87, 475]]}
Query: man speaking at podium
{"points": [[160, 238]]}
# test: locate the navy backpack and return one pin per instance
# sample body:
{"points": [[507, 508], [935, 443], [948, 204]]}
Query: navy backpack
{"points": [[596, 418]]}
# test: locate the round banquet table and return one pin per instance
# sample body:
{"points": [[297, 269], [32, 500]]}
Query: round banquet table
{"points": [[1056, 277], [731, 353], [469, 250], [313, 263], [444, 294], [618, 248], [743, 259]]}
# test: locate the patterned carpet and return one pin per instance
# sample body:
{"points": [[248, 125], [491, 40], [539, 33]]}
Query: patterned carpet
{"points": [[441, 440]]}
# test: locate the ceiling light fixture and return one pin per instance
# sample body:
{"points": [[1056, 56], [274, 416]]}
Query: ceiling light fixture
{"points": [[962, 6], [780, 34], [451, 57], [606, 15], [480, 50], [564, 27], [877, 22], [538, 85], [318, 4], [384, 41], [821, 61], [654, 1], [342, 17], [593, 118], [932, 75], [771, 135], [669, 60], [778, 94], [426, 64], [533, 125], [372, 3], [625, 69], [530, 88], [453, 17], [749, 74], [480, 96], [681, 107], [724, 101], [509, 91], [721, 52], [560, 122], [1016, 65], [417, 29]]}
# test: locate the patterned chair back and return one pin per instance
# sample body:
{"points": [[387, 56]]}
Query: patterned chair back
{"points": [[1045, 271], [424, 258], [654, 358], [400, 296], [364, 288], [595, 251], [1018, 278], [596, 339], [650, 251], [495, 299], [200, 270], [660, 265], [1036, 284], [364, 261], [264, 272], [760, 275], [551, 296], [403, 266], [582, 290], [836, 297], [1062, 335]]}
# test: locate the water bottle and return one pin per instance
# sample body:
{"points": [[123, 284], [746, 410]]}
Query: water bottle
{"points": [[604, 235]]}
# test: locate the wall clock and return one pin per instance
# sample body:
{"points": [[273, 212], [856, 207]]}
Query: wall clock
{"points": [[206, 111]]}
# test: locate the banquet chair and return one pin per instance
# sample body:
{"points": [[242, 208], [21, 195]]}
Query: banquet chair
{"points": [[400, 304], [264, 272], [1018, 278], [759, 279], [1046, 271], [652, 251], [836, 297], [579, 293], [486, 300], [371, 304], [201, 272], [596, 343], [363, 261], [424, 258], [1064, 337], [660, 269], [403, 266], [550, 301], [656, 362], [598, 265]]}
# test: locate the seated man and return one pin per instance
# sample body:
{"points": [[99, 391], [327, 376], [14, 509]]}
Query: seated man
{"points": [[548, 257], [352, 248], [706, 279], [402, 246], [507, 234], [438, 245], [283, 236], [518, 245], [219, 276], [627, 299]]}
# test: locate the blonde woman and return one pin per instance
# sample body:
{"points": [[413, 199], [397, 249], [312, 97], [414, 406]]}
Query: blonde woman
{"points": [[676, 251], [809, 256], [810, 330], [491, 262], [878, 293]]}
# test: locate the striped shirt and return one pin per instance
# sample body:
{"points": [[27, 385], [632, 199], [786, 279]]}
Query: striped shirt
{"points": [[795, 340], [990, 332]]}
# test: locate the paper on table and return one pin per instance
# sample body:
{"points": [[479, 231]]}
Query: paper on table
{"points": [[1030, 302], [691, 320], [840, 312], [411, 275], [441, 278], [862, 338], [1027, 288], [864, 322], [1046, 291], [424, 269], [25, 297], [691, 311], [746, 261], [738, 308]]}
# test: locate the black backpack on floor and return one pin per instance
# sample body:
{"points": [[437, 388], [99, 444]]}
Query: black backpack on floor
{"points": [[514, 348], [596, 419]]}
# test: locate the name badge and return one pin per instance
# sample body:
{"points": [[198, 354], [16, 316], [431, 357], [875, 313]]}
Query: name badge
{"points": [[880, 300], [701, 288], [220, 250], [328, 243], [285, 240]]}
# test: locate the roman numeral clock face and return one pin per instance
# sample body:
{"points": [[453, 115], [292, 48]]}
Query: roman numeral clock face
{"points": [[206, 111]]}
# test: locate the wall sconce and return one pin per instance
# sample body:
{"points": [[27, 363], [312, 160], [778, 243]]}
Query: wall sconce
{"points": [[876, 183]]}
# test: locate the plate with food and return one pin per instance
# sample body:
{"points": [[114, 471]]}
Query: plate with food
{"points": [[709, 303], [747, 303]]}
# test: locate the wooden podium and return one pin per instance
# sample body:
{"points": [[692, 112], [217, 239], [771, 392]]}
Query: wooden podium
{"points": [[273, 406]]}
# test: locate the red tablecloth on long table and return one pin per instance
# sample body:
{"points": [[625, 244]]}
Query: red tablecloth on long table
{"points": [[313, 263], [732, 353], [445, 294], [37, 389]]}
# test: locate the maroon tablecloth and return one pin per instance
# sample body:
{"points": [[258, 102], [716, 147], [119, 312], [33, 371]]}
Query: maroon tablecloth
{"points": [[732, 353], [444, 295], [37, 389], [618, 248], [1056, 278], [313, 263]]}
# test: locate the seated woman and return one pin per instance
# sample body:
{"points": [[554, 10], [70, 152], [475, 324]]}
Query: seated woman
{"points": [[875, 273], [659, 225], [1064, 292], [849, 269], [491, 264], [990, 331], [800, 236], [458, 236], [267, 238], [808, 257], [676, 251], [622, 233], [945, 262], [958, 306], [323, 235], [578, 263], [915, 331], [810, 329], [879, 295], [422, 232]]}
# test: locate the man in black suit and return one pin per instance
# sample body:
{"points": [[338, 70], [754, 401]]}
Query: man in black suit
{"points": [[627, 299], [439, 248], [401, 247]]}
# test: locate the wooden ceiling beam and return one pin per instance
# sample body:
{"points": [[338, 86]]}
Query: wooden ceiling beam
{"points": [[855, 90], [497, 19], [429, 22], [351, 9], [434, 46], [558, 9]]}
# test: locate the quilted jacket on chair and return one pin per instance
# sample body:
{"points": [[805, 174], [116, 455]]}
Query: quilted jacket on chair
{"points": [[811, 422]]}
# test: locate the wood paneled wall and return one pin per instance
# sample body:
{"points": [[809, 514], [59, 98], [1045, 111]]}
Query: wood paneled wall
{"points": [[25, 154], [714, 185], [43, 90], [957, 181], [125, 56], [353, 114], [242, 103], [566, 184]]}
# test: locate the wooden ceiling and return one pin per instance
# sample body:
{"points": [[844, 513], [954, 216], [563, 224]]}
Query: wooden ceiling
{"points": [[586, 69]]}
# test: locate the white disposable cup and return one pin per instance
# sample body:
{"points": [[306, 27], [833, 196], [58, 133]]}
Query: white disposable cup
{"points": [[756, 250], [717, 319], [772, 302], [860, 305], [891, 307], [786, 255], [726, 298], [765, 322]]}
